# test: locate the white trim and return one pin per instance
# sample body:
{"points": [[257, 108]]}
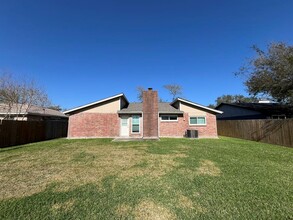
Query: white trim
{"points": [[119, 103], [198, 117], [169, 118], [94, 103], [138, 124], [195, 104], [121, 119], [159, 125], [141, 133]]}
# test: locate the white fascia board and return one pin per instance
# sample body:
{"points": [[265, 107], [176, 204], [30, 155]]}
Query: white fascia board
{"points": [[198, 105], [94, 103]]}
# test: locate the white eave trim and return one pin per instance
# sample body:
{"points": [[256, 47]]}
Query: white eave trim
{"points": [[94, 103], [197, 105]]}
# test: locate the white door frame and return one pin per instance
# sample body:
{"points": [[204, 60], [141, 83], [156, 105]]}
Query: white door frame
{"points": [[124, 129]]}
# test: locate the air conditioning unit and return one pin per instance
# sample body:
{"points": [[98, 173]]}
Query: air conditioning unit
{"points": [[192, 133]]}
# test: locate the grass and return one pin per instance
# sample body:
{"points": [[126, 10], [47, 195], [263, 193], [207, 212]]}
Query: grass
{"points": [[222, 178]]}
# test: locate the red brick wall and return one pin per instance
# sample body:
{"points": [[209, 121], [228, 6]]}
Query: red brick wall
{"points": [[178, 128], [94, 125], [150, 113]]}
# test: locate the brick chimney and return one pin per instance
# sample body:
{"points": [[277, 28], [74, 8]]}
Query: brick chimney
{"points": [[150, 114]]}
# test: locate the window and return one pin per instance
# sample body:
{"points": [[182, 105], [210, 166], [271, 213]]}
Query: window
{"points": [[197, 120], [135, 124], [169, 118]]}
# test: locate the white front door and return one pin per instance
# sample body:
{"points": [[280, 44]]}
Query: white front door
{"points": [[124, 126]]}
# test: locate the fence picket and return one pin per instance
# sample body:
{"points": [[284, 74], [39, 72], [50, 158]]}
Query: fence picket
{"points": [[270, 131], [22, 132]]}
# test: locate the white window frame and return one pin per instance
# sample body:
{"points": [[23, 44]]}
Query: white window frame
{"points": [[198, 117], [134, 132], [169, 118]]}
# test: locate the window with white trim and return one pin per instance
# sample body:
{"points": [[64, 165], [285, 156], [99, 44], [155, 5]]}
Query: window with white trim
{"points": [[200, 120], [169, 118], [135, 124]]}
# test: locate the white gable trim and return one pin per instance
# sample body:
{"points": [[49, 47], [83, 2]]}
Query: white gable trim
{"points": [[196, 105], [95, 103]]}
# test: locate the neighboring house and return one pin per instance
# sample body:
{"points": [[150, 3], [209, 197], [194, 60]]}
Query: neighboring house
{"points": [[34, 113], [242, 111], [116, 117]]}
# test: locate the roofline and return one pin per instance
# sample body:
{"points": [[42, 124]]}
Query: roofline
{"points": [[232, 104], [97, 102], [239, 106], [130, 112], [12, 113], [166, 112], [197, 105], [33, 113], [47, 115]]}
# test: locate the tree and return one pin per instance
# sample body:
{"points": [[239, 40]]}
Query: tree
{"points": [[139, 90], [174, 90], [270, 73], [19, 96], [55, 107], [233, 99]]}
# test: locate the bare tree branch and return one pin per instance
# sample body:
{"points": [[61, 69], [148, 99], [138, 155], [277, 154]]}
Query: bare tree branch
{"points": [[20, 95], [139, 90], [174, 90]]}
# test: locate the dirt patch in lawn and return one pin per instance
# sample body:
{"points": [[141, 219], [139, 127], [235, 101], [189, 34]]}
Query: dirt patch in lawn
{"points": [[70, 167], [208, 167], [149, 210]]}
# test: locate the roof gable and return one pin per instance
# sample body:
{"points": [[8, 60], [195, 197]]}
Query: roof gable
{"points": [[80, 108], [196, 105]]}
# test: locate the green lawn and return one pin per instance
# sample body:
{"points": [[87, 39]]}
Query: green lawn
{"points": [[222, 178]]}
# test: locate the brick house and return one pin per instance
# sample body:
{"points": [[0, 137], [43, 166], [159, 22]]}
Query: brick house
{"points": [[116, 117]]}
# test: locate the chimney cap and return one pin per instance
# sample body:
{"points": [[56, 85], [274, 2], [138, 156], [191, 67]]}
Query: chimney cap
{"points": [[150, 89]]}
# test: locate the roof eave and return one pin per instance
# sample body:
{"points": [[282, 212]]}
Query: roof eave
{"points": [[197, 105], [95, 103], [166, 112], [130, 112], [47, 115]]}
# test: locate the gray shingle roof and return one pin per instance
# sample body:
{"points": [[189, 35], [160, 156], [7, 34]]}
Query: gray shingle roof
{"points": [[33, 110], [264, 108], [164, 107]]}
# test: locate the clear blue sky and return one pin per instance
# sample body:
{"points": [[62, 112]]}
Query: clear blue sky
{"points": [[83, 51]]}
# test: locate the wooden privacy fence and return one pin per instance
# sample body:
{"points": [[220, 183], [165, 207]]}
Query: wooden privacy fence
{"points": [[22, 132], [270, 131]]}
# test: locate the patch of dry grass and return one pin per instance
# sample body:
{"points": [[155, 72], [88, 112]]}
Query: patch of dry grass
{"points": [[208, 167], [31, 173], [187, 203], [62, 207], [123, 210], [157, 166], [149, 210]]}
